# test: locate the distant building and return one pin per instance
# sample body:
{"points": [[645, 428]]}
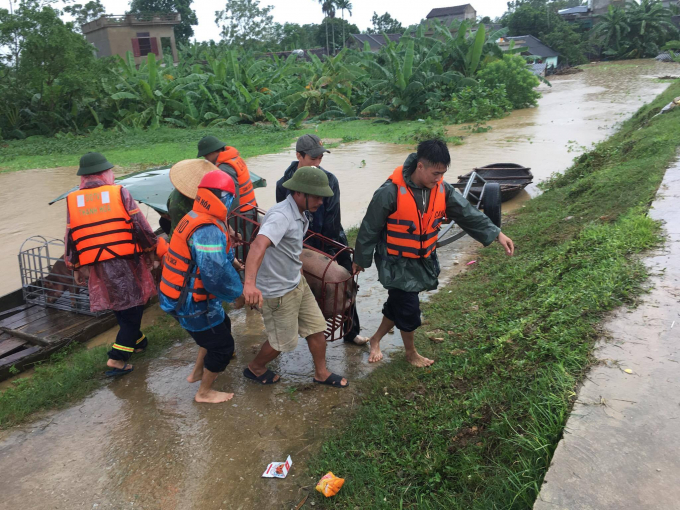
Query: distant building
{"points": [[141, 34], [375, 41], [541, 53], [448, 14]]}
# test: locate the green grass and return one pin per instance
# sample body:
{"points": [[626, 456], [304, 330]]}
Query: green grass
{"points": [[73, 373], [477, 430], [163, 146]]}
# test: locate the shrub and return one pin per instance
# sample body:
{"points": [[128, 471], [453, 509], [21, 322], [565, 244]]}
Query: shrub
{"points": [[477, 104], [513, 75]]}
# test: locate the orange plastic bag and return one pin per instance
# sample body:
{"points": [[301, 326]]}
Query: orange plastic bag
{"points": [[329, 485]]}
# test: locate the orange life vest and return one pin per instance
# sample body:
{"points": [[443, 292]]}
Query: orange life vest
{"points": [[100, 228], [411, 233], [178, 267], [230, 156]]}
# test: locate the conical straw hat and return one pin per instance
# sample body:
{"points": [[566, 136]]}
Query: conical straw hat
{"points": [[186, 175]]}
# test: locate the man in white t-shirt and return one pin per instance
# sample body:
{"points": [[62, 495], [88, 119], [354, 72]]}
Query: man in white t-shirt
{"points": [[274, 281]]}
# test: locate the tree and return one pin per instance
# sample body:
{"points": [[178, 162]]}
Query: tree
{"points": [[327, 7], [650, 24], [611, 29], [568, 43], [243, 22], [344, 5], [84, 13], [334, 24], [384, 23], [299, 36], [184, 30]]}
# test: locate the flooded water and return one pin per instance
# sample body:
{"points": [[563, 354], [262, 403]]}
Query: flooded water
{"points": [[142, 442]]}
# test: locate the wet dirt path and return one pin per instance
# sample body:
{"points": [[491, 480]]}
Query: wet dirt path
{"points": [[141, 442]]}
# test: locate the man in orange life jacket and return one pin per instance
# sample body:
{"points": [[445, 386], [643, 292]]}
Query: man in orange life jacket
{"points": [[198, 275], [228, 160], [109, 243], [401, 226]]}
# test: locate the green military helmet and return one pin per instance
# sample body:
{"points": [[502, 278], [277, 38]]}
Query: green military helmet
{"points": [[311, 180], [93, 163], [209, 144]]}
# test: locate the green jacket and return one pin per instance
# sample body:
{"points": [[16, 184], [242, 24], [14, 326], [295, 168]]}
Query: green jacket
{"points": [[413, 275]]}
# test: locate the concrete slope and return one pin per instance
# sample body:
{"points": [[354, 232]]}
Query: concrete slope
{"points": [[621, 445]]}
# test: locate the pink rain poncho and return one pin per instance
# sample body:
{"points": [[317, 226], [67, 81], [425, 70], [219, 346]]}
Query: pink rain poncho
{"points": [[118, 284]]}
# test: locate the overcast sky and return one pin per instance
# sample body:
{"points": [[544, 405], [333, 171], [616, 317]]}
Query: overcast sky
{"points": [[309, 11]]}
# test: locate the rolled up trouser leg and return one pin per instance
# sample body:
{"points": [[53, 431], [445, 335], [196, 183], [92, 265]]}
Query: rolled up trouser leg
{"points": [[219, 343], [129, 337]]}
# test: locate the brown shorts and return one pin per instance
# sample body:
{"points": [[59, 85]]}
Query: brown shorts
{"points": [[292, 315]]}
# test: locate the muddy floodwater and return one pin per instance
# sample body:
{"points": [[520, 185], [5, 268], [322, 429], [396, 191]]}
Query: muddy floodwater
{"points": [[141, 441]]}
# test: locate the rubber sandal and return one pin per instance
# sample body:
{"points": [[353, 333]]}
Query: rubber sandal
{"points": [[264, 379], [332, 380], [119, 371]]}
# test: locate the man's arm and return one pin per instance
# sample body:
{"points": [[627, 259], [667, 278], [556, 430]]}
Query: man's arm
{"points": [[143, 232], [383, 203], [208, 249], [273, 228], [473, 221], [255, 255], [332, 225]]}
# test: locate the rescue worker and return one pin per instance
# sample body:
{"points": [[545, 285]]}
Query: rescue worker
{"points": [[198, 276], [401, 226], [309, 151], [274, 281], [185, 176], [228, 160], [110, 244]]}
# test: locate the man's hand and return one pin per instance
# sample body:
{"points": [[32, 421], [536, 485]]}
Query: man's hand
{"points": [[356, 268], [239, 302], [506, 243], [252, 295], [81, 275], [236, 264]]}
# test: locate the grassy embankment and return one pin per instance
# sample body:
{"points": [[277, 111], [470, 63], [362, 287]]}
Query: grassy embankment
{"points": [[143, 149], [478, 429]]}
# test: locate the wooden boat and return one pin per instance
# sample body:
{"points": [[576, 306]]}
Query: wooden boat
{"points": [[512, 178], [30, 333]]}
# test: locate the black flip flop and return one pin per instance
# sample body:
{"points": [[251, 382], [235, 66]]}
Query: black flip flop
{"points": [[119, 371], [332, 380], [264, 379]]}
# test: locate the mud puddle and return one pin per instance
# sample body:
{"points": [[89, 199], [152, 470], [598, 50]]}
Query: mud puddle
{"points": [[142, 442]]}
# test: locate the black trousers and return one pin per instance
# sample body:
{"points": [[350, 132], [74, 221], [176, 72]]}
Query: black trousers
{"points": [[218, 342], [350, 333], [402, 308], [129, 337]]}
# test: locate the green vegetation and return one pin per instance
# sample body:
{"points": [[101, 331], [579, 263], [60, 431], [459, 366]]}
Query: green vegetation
{"points": [[52, 83], [147, 148], [636, 32], [478, 428], [73, 373]]}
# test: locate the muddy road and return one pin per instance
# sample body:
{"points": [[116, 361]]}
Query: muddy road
{"points": [[141, 441]]}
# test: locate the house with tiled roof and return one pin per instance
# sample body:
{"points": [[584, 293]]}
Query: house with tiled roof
{"points": [[448, 14]]}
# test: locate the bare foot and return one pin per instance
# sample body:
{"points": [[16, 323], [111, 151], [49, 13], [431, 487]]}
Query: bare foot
{"points": [[417, 360], [213, 397], [195, 376], [375, 355], [360, 340], [117, 363]]}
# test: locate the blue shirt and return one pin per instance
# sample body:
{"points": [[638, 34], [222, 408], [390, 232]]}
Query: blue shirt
{"points": [[208, 247]]}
